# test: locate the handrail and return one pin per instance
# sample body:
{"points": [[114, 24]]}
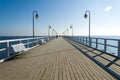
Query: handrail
{"points": [[6, 49], [2, 41], [106, 44], [98, 38]]}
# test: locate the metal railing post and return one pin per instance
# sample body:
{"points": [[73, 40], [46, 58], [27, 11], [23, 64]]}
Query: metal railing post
{"points": [[28, 43], [83, 40], [33, 42], [119, 48], [105, 46], [37, 41], [8, 52], [80, 39], [90, 42], [96, 43], [20, 41], [86, 40]]}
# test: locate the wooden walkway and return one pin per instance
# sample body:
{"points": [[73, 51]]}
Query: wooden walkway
{"points": [[56, 60]]}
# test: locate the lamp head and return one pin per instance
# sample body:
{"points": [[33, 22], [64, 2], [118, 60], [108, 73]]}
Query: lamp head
{"points": [[49, 27], [36, 16], [85, 16], [71, 26]]}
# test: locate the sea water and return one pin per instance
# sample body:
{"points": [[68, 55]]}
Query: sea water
{"points": [[13, 37]]}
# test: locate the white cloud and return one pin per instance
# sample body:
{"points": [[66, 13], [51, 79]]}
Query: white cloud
{"points": [[108, 8]]}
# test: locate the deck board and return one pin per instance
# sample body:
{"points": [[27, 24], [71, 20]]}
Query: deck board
{"points": [[56, 60]]}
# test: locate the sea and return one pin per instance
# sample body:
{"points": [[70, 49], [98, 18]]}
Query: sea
{"points": [[20, 37], [14, 37], [3, 54]]}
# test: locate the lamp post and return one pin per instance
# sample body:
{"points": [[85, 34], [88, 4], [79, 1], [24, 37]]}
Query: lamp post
{"points": [[71, 27], [49, 27], [52, 32], [68, 31], [56, 34], [64, 33], [85, 16], [36, 16]]}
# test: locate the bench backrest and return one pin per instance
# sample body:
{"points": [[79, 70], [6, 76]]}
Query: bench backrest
{"points": [[42, 40], [19, 47]]}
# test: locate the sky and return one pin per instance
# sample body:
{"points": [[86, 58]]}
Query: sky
{"points": [[16, 17]]}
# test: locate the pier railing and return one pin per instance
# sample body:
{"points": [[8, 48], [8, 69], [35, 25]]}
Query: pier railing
{"points": [[6, 45], [110, 46]]}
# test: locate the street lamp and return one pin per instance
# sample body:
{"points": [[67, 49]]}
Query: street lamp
{"points": [[52, 32], [85, 16], [71, 27], [56, 34], [36, 16], [49, 27], [68, 31], [64, 33]]}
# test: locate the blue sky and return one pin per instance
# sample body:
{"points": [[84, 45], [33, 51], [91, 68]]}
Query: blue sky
{"points": [[16, 16]]}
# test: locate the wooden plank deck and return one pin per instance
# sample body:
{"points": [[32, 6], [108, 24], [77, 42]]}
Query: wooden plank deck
{"points": [[56, 60]]}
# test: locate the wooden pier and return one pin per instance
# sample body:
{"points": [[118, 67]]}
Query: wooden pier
{"points": [[56, 60]]}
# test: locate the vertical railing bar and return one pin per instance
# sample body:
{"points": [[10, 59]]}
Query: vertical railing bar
{"points": [[86, 40], [119, 48], [96, 43], [8, 52], [20, 41], [76, 39], [27, 43], [32, 42], [37, 41], [80, 39], [83, 40], [105, 45], [90, 42]]}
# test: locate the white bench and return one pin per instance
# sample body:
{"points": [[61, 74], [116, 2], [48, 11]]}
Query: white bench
{"points": [[43, 41], [47, 39], [19, 48]]}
